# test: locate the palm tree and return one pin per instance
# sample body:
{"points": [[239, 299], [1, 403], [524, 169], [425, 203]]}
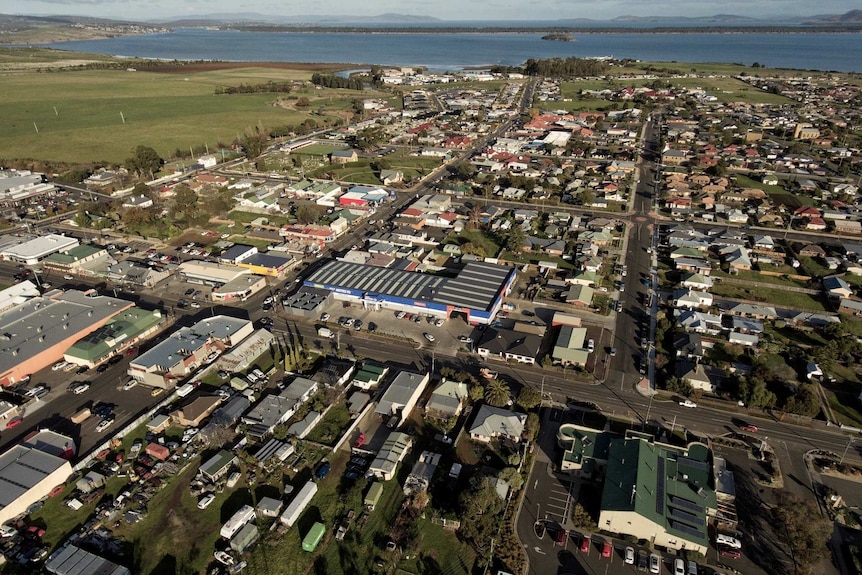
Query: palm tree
{"points": [[497, 393]]}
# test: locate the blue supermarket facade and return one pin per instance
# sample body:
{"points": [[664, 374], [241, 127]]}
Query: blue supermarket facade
{"points": [[476, 292]]}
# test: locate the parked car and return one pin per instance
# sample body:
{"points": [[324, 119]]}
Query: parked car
{"points": [[748, 427], [607, 549], [630, 555], [14, 422], [642, 560], [730, 552], [678, 566], [323, 470], [129, 384], [585, 545], [429, 337], [688, 403], [654, 563], [34, 391]]}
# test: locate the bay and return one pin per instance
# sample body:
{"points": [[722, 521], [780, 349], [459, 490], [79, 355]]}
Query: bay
{"points": [[455, 51]]}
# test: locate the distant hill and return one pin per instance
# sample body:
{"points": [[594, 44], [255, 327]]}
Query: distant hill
{"points": [[215, 19], [851, 18], [715, 19]]}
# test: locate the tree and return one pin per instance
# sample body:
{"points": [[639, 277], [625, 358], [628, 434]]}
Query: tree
{"points": [[586, 197], [805, 531], [529, 398], [135, 218], [515, 240], [804, 402], [185, 203], [144, 160], [679, 385], [477, 392], [582, 519], [254, 142], [306, 214], [497, 393], [511, 476], [531, 427]]}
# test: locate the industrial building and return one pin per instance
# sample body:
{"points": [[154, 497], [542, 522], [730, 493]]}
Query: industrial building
{"points": [[187, 349], [72, 560], [37, 332], [34, 250], [475, 294], [30, 470]]}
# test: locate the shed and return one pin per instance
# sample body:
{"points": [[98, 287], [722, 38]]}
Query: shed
{"points": [[269, 507], [159, 423], [246, 537], [158, 451], [90, 482], [373, 495], [312, 539]]}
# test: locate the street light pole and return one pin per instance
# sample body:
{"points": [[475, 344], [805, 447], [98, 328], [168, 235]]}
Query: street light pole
{"points": [[849, 441], [649, 408]]}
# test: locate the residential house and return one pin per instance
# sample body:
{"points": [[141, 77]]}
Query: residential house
{"points": [[509, 345], [836, 287], [696, 281], [579, 296], [688, 298], [496, 423], [703, 377], [688, 346], [447, 399], [343, 156]]}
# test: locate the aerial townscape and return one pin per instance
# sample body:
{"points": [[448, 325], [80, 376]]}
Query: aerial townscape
{"points": [[579, 315]]}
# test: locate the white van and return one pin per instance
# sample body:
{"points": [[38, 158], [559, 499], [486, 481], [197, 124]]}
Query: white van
{"points": [[591, 346], [729, 541]]}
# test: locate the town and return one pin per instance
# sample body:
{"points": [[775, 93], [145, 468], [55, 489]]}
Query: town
{"points": [[568, 323]]}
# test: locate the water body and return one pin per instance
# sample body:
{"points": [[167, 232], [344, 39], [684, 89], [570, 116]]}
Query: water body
{"points": [[444, 51]]}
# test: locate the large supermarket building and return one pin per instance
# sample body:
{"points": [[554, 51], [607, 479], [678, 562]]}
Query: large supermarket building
{"points": [[475, 294]]}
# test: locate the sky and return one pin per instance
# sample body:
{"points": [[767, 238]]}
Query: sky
{"points": [[457, 10]]}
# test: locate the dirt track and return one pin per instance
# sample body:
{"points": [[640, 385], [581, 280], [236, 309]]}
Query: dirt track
{"points": [[192, 67]]}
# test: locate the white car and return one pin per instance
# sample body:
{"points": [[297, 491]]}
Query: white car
{"points": [[105, 424], [729, 541], [654, 563], [33, 392], [59, 365], [68, 277], [206, 500], [401, 314], [630, 555], [195, 305], [439, 323], [429, 337], [79, 389], [688, 403], [129, 384]]}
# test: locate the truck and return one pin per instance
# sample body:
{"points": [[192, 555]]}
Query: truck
{"points": [[325, 332], [299, 503], [186, 389], [235, 523], [81, 415], [313, 537], [373, 496]]}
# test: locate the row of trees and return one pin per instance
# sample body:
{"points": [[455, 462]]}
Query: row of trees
{"points": [[333, 81], [565, 67], [265, 88]]}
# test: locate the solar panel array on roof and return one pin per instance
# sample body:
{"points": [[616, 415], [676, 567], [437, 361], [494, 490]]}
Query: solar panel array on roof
{"points": [[659, 481], [681, 515], [686, 504], [687, 529], [693, 463]]}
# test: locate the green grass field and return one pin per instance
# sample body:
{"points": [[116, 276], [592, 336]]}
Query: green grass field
{"points": [[79, 114], [776, 297]]}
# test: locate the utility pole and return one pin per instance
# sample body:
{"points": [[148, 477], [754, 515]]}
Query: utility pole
{"points": [[843, 455], [649, 408]]}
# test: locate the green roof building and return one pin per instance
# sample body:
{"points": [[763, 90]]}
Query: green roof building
{"points": [[569, 348], [123, 331], [585, 450], [659, 492], [73, 258]]}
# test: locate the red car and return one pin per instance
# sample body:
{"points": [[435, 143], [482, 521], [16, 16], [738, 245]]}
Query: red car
{"points": [[748, 427], [730, 552], [561, 536], [585, 545], [606, 549], [14, 422], [360, 441]]}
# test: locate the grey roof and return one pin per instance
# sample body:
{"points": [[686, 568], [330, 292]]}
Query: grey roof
{"points": [[187, 340], [232, 410], [493, 421], [307, 299], [237, 251], [72, 560], [476, 286], [41, 323], [22, 468], [268, 260], [406, 386], [269, 411], [299, 388]]}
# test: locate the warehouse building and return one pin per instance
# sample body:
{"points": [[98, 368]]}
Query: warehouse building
{"points": [[475, 294], [36, 333], [72, 560], [29, 471], [32, 251]]}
